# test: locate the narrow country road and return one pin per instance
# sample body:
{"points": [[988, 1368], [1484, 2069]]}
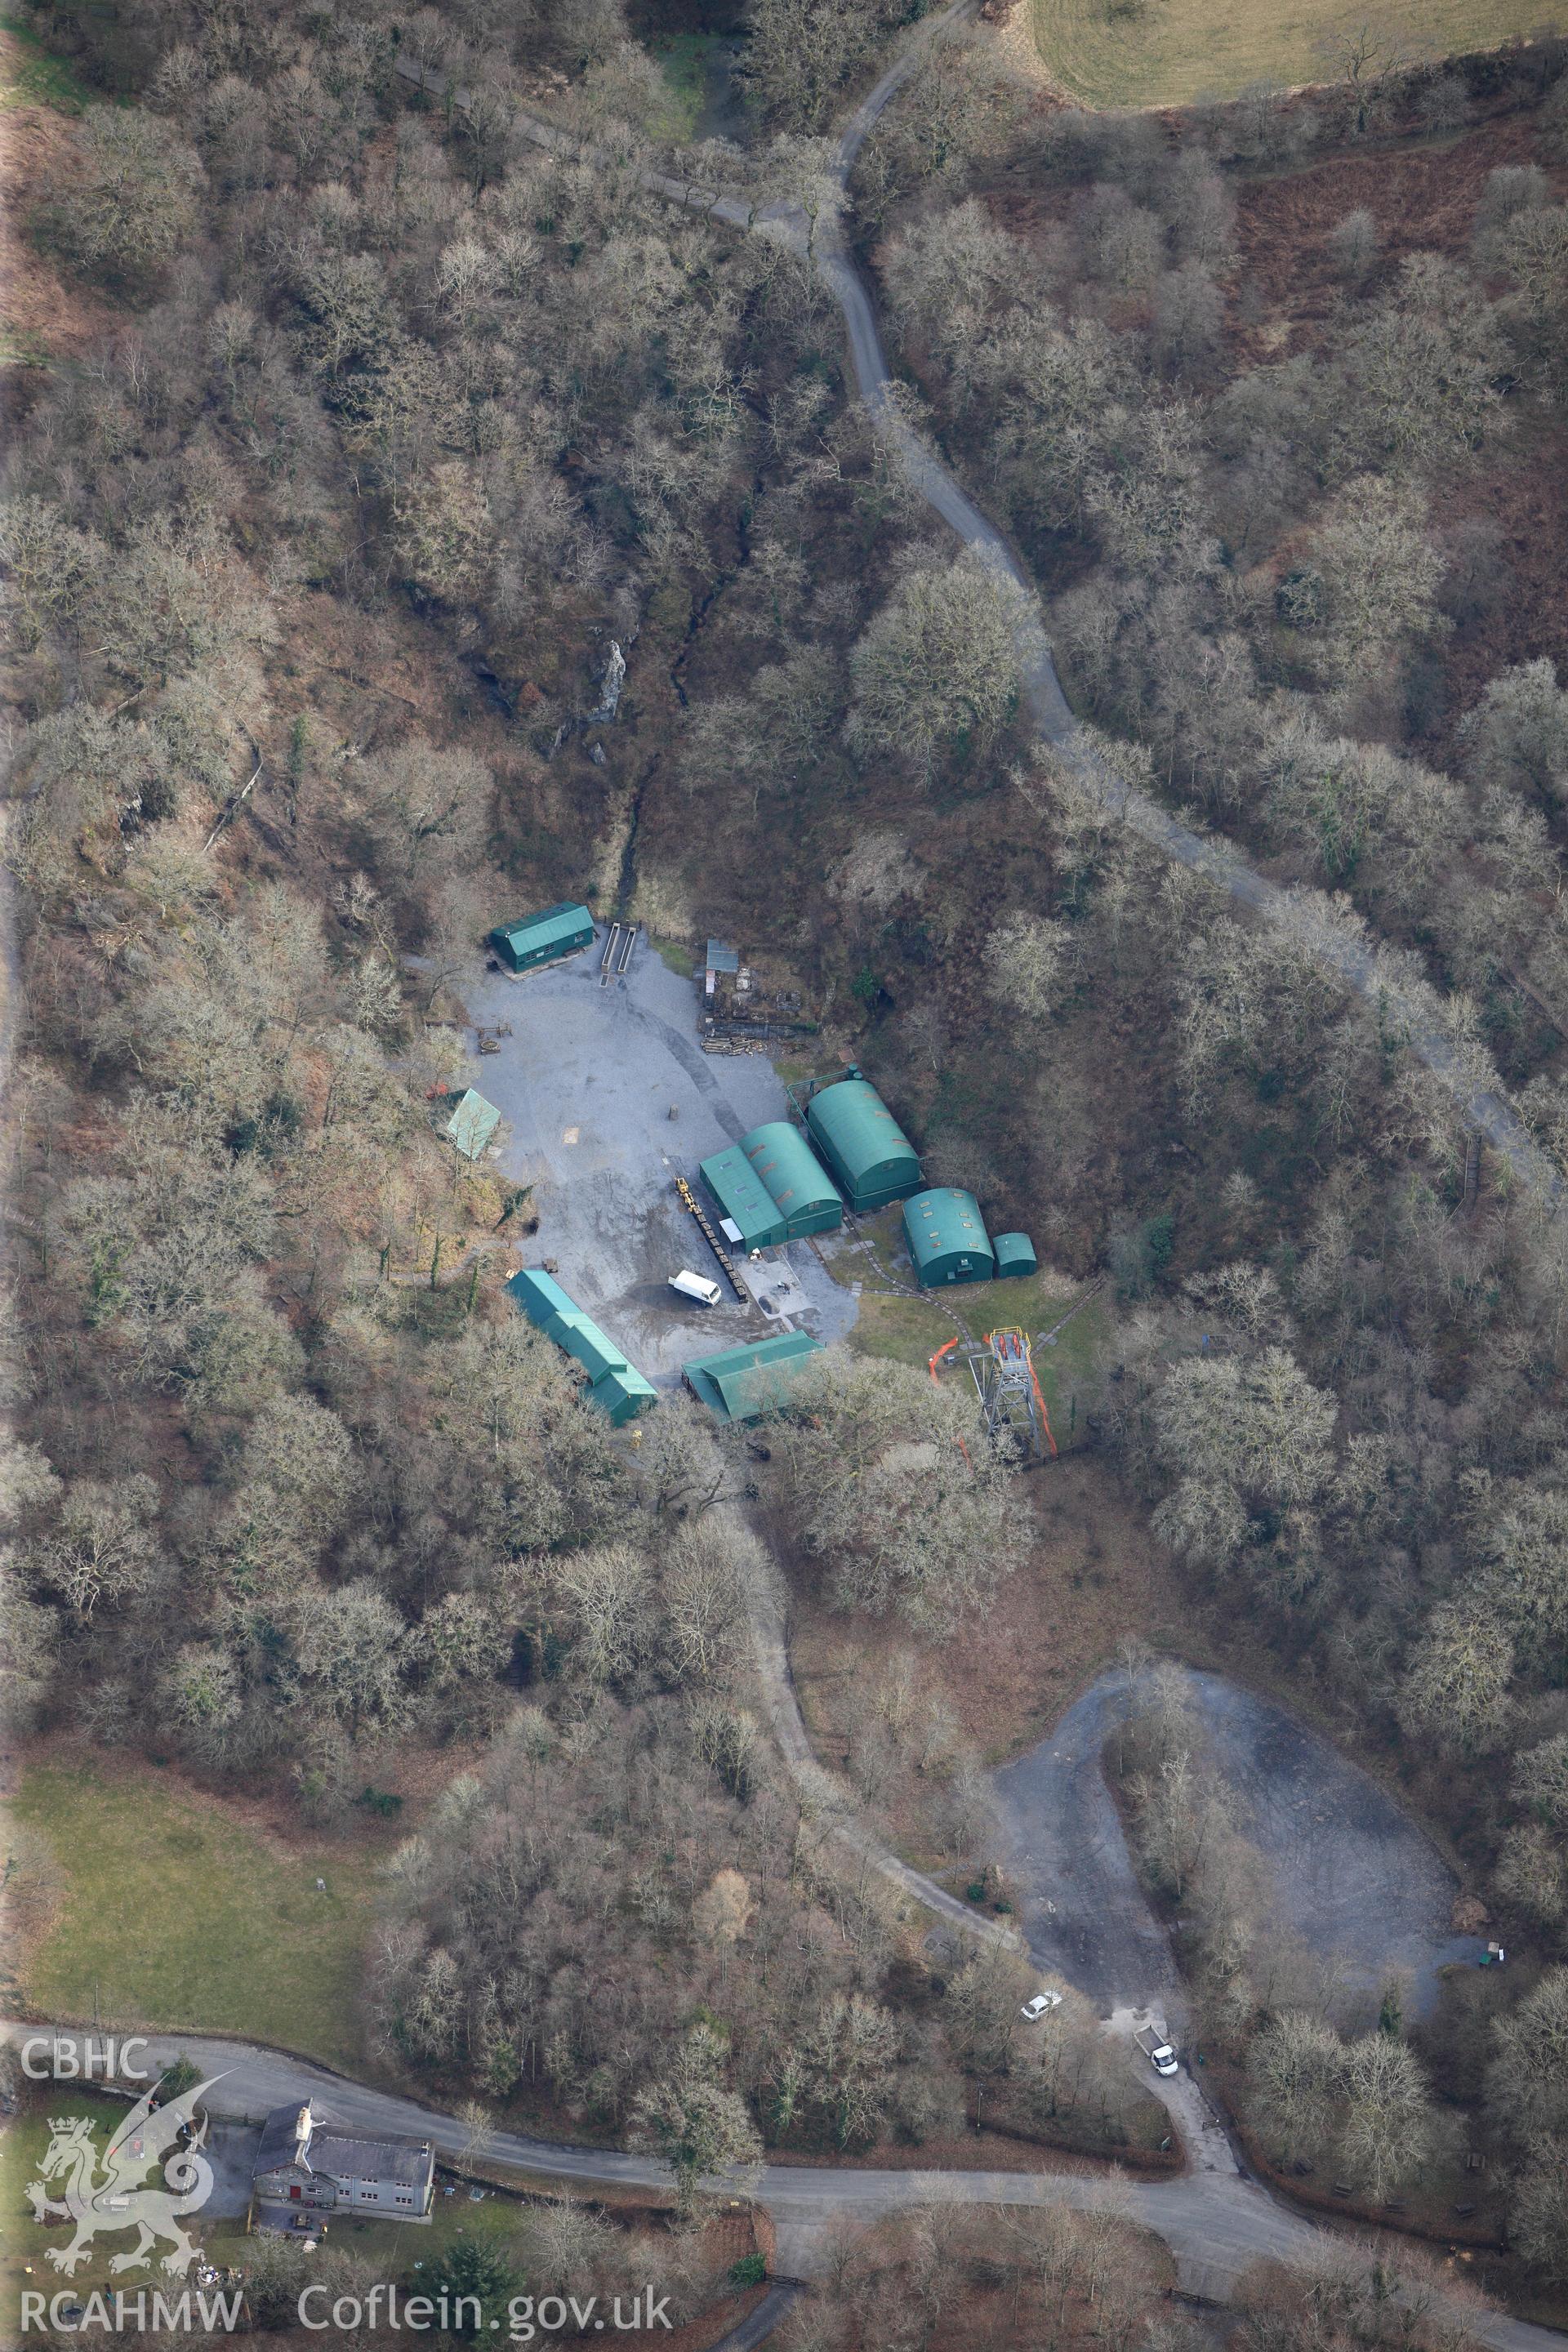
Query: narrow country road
{"points": [[1105, 1878], [1405, 1008], [1345, 950], [1214, 2225], [830, 1800]]}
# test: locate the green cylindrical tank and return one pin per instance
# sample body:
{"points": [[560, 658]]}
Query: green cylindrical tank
{"points": [[863, 1144], [795, 1179], [947, 1238]]}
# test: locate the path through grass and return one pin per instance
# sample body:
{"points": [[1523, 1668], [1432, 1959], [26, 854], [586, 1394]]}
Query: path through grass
{"points": [[698, 100], [174, 1915]]}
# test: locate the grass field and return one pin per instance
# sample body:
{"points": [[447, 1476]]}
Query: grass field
{"points": [[1178, 51], [676, 955], [29, 75], [173, 1914], [1071, 1369], [22, 2240], [684, 59]]}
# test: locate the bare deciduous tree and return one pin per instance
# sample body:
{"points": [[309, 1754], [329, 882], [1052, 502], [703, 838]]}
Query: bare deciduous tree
{"points": [[936, 669]]}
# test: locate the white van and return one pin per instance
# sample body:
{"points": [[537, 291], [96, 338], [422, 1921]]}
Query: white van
{"points": [[697, 1286], [1151, 2039]]}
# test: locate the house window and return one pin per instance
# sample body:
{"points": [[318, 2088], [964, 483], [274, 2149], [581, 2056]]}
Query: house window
{"points": [[404, 2196]]}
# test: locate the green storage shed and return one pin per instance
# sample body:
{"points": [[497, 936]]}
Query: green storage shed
{"points": [[795, 1179], [744, 1198], [544, 937], [472, 1124], [585, 1344], [773, 1187], [947, 1238], [616, 1386], [1015, 1256], [742, 1384], [863, 1144], [624, 1394], [540, 1295]]}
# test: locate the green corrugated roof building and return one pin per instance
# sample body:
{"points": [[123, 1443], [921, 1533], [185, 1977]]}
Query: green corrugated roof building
{"points": [[744, 1198], [863, 1144], [947, 1238], [740, 1383], [472, 1125], [773, 1186], [540, 1295], [586, 1343], [624, 1394], [544, 937], [616, 1386], [807, 1195], [1015, 1256]]}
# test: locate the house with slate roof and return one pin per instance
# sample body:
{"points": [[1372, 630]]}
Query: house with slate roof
{"points": [[305, 2165]]}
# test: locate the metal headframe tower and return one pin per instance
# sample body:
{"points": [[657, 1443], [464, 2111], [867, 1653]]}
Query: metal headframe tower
{"points": [[1002, 1367], [1010, 1393]]}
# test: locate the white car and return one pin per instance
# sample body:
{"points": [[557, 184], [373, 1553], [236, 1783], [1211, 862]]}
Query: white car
{"points": [[1041, 2006]]}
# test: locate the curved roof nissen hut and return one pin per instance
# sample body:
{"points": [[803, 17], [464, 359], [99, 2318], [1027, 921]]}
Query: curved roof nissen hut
{"points": [[1015, 1256], [947, 1238], [863, 1144], [807, 1195], [773, 1187]]}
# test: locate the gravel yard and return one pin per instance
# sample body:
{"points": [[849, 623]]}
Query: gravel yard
{"points": [[587, 1082]]}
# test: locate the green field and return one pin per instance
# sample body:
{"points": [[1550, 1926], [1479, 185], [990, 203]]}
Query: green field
{"points": [[29, 75], [676, 955], [22, 2240], [907, 1330], [173, 1915], [1071, 1369], [1167, 52]]}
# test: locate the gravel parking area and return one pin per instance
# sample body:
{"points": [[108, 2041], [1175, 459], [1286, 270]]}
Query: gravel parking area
{"points": [[1345, 1869], [1349, 1871], [588, 1081], [1080, 1903]]}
